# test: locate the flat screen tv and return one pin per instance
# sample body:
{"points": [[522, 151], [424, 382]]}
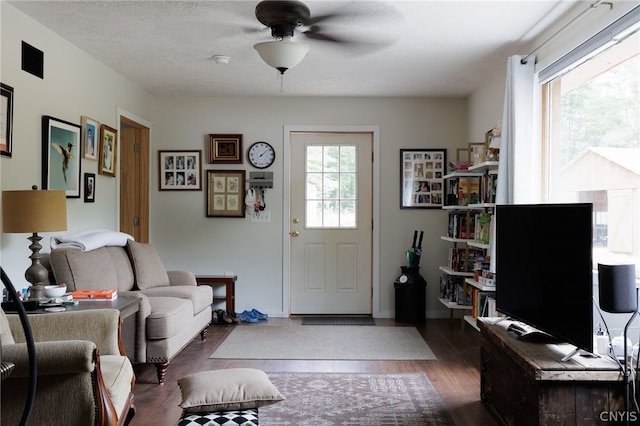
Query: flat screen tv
{"points": [[543, 265]]}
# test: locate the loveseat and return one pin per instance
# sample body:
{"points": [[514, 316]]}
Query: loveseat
{"points": [[173, 308]]}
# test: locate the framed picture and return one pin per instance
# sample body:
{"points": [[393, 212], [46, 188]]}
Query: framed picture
{"points": [[89, 187], [225, 193], [421, 178], [6, 119], [90, 135], [225, 149], [180, 170], [61, 156], [108, 150]]}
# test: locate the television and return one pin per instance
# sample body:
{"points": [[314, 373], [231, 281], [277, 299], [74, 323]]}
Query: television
{"points": [[544, 269]]}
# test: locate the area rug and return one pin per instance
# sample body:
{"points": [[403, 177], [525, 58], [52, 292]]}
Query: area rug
{"points": [[355, 399], [338, 321], [324, 343]]}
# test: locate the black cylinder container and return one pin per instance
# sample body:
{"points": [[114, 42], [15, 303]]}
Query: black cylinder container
{"points": [[410, 292]]}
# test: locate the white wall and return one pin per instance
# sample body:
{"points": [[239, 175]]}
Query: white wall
{"points": [[188, 239], [74, 84]]}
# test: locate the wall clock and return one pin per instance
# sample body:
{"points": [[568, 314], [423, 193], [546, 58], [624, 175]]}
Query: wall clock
{"points": [[261, 155]]}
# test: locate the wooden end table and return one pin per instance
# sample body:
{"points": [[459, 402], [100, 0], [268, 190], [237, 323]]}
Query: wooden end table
{"points": [[229, 281]]}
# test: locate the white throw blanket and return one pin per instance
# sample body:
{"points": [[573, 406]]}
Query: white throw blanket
{"points": [[90, 239]]}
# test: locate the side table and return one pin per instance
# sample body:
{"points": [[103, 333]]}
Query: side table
{"points": [[229, 281]]}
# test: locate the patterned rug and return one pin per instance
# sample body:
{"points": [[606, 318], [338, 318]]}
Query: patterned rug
{"points": [[355, 399], [338, 321]]}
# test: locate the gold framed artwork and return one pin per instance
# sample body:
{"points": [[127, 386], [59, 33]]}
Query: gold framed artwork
{"points": [[180, 170], [422, 178], [108, 150], [225, 149], [225, 193]]}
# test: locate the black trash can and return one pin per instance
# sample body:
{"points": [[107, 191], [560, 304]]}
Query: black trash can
{"points": [[410, 289]]}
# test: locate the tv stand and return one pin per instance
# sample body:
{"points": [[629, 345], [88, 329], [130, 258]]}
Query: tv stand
{"points": [[523, 383]]}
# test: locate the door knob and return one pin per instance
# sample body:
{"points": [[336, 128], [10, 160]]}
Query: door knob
{"points": [[295, 220], [294, 233]]}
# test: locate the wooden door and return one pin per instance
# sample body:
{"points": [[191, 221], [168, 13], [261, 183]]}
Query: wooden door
{"points": [[134, 179]]}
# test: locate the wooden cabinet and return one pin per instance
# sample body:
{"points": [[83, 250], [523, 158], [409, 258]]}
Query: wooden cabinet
{"points": [[528, 383]]}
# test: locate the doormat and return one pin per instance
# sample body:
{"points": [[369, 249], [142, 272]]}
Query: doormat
{"points": [[356, 399], [323, 320]]}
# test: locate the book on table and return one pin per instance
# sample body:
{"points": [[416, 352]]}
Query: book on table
{"points": [[95, 295]]}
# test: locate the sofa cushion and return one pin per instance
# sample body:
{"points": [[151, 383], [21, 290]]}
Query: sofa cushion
{"points": [[200, 297], [147, 266], [124, 270], [227, 389], [169, 316], [6, 337], [117, 373], [84, 270]]}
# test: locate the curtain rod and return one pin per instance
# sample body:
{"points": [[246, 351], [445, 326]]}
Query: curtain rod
{"points": [[563, 29]]}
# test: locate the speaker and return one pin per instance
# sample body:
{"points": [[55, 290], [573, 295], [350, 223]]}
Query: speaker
{"points": [[617, 288]]}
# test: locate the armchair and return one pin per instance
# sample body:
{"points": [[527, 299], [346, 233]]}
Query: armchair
{"points": [[83, 376]]}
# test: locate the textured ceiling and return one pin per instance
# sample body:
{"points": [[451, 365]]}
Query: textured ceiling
{"points": [[403, 48]]}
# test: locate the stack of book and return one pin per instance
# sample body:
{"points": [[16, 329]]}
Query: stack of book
{"points": [[95, 295]]}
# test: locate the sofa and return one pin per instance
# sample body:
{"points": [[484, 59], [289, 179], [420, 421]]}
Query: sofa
{"points": [[83, 376], [173, 308]]}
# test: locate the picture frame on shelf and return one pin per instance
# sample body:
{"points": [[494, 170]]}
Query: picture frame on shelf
{"points": [[61, 156], [225, 193], [225, 149], [108, 151], [90, 135], [180, 170], [422, 178], [6, 120], [89, 187]]}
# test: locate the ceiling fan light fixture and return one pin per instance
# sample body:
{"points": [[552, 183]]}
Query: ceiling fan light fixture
{"points": [[282, 54]]}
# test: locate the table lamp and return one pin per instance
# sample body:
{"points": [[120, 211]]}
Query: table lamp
{"points": [[32, 212]]}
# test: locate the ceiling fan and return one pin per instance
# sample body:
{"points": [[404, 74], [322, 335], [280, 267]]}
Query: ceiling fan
{"points": [[284, 17]]}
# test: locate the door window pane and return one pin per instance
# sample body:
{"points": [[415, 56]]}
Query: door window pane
{"points": [[331, 186]]}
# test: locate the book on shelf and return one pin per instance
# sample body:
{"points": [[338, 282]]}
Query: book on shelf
{"points": [[468, 190], [95, 295], [461, 259], [482, 227], [461, 225], [479, 303]]}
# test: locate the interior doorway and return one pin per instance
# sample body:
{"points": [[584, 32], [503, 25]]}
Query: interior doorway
{"points": [[134, 179]]}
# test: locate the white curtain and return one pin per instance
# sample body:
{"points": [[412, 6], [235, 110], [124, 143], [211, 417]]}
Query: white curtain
{"points": [[516, 171]]}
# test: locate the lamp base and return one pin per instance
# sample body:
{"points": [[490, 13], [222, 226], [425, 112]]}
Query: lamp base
{"points": [[36, 293]]}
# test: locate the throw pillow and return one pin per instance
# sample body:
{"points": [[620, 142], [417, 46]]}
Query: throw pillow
{"points": [[228, 389], [6, 337], [147, 266]]}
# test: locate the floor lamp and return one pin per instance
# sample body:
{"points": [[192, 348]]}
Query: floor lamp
{"points": [[32, 212], [619, 295]]}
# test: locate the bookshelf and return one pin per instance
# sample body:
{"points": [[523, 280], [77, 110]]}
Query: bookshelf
{"points": [[466, 285]]}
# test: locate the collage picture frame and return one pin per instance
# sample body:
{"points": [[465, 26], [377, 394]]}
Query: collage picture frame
{"points": [[225, 193], [180, 170], [422, 178]]}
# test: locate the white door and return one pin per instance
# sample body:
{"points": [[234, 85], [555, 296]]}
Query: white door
{"points": [[330, 222]]}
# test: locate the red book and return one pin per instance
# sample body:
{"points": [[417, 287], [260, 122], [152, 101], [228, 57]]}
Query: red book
{"points": [[95, 294]]}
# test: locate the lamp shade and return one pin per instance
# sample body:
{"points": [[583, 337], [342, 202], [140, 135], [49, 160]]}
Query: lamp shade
{"points": [[33, 211], [282, 54], [617, 288]]}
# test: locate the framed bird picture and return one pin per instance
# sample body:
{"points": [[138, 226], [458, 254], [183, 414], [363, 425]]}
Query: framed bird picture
{"points": [[61, 155], [108, 150]]}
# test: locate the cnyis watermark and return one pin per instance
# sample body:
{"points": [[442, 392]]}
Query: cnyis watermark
{"points": [[619, 416]]}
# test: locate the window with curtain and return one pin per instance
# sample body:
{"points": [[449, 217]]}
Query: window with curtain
{"points": [[592, 145]]}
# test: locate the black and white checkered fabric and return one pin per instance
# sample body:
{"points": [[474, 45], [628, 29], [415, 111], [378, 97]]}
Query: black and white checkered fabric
{"points": [[247, 417]]}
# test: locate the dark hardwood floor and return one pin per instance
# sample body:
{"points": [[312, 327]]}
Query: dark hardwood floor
{"points": [[455, 375]]}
